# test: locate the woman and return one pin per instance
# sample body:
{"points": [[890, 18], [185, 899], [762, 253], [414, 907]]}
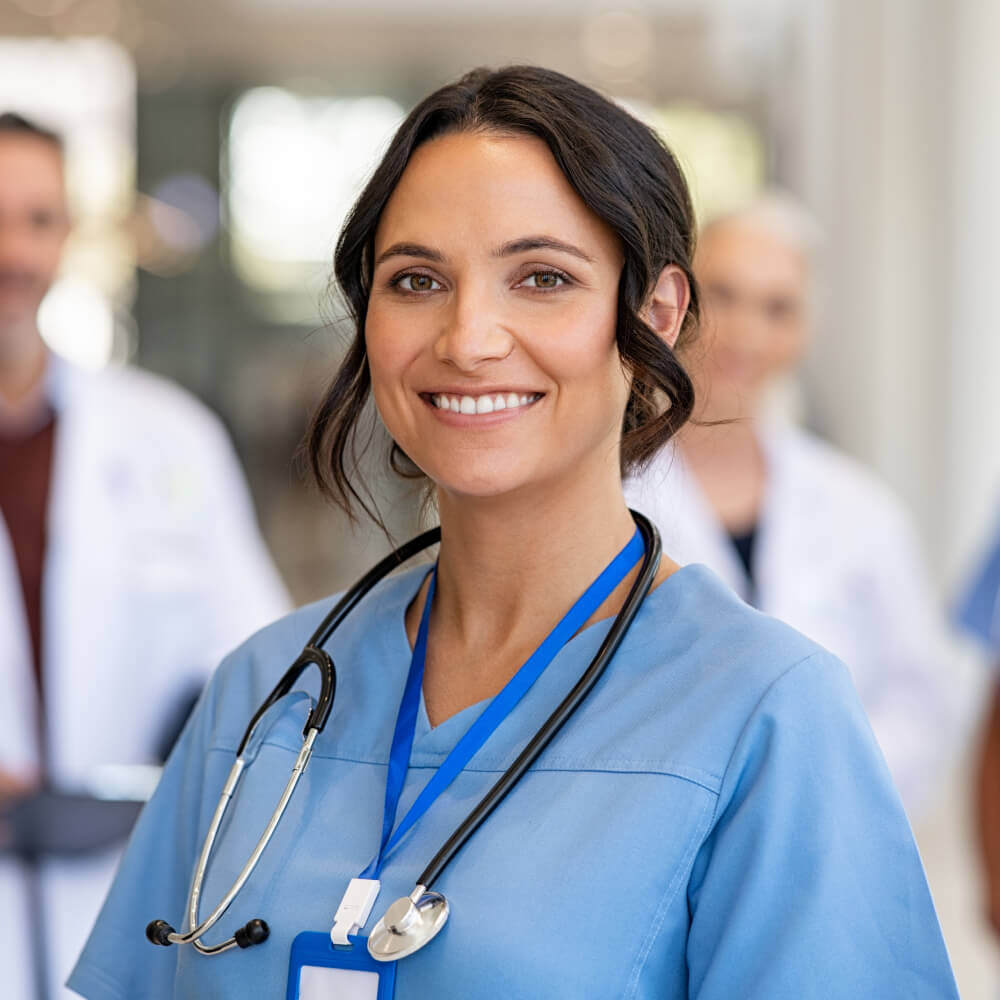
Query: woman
{"points": [[798, 529], [715, 820]]}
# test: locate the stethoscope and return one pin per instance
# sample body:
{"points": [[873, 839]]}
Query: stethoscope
{"points": [[411, 921]]}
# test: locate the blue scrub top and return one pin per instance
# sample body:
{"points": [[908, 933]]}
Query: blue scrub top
{"points": [[716, 821], [979, 610]]}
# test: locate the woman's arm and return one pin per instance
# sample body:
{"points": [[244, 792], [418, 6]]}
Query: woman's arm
{"points": [[809, 884]]}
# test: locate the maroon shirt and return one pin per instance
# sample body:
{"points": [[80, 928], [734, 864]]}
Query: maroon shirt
{"points": [[25, 474]]}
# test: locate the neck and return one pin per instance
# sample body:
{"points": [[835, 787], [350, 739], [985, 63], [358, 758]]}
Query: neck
{"points": [[718, 443], [525, 559], [23, 358], [729, 465], [508, 570]]}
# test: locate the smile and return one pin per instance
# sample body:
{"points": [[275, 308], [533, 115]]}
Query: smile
{"points": [[488, 403]]}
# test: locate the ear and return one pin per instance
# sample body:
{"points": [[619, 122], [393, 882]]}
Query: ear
{"points": [[667, 306]]}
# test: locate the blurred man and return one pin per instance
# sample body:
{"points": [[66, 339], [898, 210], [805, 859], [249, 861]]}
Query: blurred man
{"points": [[795, 527], [979, 613], [130, 563]]}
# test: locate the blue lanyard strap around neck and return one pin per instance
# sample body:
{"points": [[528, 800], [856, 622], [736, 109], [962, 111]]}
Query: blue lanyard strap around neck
{"points": [[500, 706]]}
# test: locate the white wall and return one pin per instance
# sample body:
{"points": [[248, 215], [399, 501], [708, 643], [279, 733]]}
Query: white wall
{"points": [[893, 137]]}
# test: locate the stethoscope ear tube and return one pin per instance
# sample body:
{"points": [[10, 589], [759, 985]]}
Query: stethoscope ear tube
{"points": [[623, 620], [313, 653], [328, 688], [375, 575]]}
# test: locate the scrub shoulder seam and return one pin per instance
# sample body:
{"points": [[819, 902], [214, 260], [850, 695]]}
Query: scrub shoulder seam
{"points": [[751, 715], [707, 780]]}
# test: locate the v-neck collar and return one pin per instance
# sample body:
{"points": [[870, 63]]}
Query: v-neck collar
{"points": [[430, 743]]}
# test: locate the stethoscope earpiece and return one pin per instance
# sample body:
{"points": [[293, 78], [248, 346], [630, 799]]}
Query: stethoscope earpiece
{"points": [[253, 932], [158, 932]]}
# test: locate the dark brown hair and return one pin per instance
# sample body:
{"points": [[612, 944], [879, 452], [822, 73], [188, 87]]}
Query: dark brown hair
{"points": [[12, 123], [620, 169]]}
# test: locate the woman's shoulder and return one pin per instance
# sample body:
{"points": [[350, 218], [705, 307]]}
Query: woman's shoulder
{"points": [[696, 628], [248, 674], [701, 664]]}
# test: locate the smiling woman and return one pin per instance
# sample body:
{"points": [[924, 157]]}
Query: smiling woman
{"points": [[597, 169], [710, 819]]}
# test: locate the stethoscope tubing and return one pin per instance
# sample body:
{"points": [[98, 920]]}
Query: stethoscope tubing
{"points": [[313, 654], [550, 728]]}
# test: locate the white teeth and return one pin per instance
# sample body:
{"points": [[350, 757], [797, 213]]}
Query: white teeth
{"points": [[482, 404]]}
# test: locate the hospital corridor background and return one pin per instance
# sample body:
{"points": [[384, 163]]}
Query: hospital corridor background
{"points": [[843, 159]]}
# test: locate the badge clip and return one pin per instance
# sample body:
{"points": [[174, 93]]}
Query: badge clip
{"points": [[354, 909]]}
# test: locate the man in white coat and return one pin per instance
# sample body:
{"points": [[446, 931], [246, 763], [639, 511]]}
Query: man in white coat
{"points": [[130, 563], [798, 529]]}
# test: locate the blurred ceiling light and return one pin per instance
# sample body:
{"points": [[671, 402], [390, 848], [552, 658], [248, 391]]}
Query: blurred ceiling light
{"points": [[294, 167], [78, 322], [721, 152], [617, 42]]}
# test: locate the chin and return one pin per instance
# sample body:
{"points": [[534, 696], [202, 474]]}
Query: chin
{"points": [[480, 484]]}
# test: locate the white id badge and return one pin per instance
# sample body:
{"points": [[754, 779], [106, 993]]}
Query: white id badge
{"points": [[319, 971]]}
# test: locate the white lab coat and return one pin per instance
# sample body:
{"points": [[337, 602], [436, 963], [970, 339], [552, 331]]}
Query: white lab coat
{"points": [[154, 570], [835, 557]]}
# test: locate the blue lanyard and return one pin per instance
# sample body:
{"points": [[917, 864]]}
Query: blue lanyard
{"points": [[500, 706]]}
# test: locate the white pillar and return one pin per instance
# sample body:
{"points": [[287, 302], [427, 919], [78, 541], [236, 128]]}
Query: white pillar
{"points": [[971, 343], [870, 153]]}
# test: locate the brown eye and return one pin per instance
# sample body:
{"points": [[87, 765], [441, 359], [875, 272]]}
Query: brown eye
{"points": [[418, 283], [544, 279]]}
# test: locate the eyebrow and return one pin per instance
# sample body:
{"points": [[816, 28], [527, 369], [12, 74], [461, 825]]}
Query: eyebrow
{"points": [[509, 249], [526, 243], [410, 250]]}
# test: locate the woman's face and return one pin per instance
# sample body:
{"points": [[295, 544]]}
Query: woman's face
{"points": [[754, 287], [491, 322]]}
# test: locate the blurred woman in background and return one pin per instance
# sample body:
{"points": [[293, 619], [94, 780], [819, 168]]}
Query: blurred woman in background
{"points": [[795, 527]]}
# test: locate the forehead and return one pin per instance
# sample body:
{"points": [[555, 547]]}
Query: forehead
{"points": [[748, 253], [475, 188], [31, 171]]}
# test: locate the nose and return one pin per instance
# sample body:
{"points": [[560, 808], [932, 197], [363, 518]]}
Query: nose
{"points": [[472, 333]]}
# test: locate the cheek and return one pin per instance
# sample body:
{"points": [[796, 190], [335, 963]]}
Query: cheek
{"points": [[788, 347], [581, 344], [390, 351], [387, 361]]}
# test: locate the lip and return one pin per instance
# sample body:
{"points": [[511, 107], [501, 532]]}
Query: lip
{"points": [[479, 390]]}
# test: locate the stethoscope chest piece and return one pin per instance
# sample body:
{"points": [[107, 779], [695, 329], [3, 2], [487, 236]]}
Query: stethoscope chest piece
{"points": [[408, 925]]}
